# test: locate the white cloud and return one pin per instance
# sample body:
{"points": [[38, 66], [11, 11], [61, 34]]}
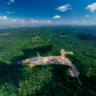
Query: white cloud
{"points": [[49, 21], [12, 1], [91, 7], [84, 21], [17, 22], [79, 21], [10, 12], [56, 17], [3, 18], [41, 21], [76, 21], [64, 8], [87, 16]]}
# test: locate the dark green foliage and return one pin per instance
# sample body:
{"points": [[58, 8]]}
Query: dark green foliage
{"points": [[86, 37], [32, 52]]}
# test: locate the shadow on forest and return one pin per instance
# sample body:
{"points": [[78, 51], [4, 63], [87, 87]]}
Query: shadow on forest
{"points": [[29, 53], [46, 80], [39, 75], [62, 84], [42, 50], [10, 73], [59, 84], [86, 37]]}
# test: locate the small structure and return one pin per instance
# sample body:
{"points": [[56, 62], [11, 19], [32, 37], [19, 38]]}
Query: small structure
{"points": [[39, 60]]}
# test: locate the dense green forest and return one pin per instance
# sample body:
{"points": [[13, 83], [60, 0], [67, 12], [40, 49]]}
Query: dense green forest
{"points": [[17, 44]]}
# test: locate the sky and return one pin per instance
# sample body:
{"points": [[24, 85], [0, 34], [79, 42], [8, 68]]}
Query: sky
{"points": [[18, 13]]}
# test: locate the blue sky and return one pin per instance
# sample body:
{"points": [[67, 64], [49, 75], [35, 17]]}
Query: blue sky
{"points": [[47, 12]]}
